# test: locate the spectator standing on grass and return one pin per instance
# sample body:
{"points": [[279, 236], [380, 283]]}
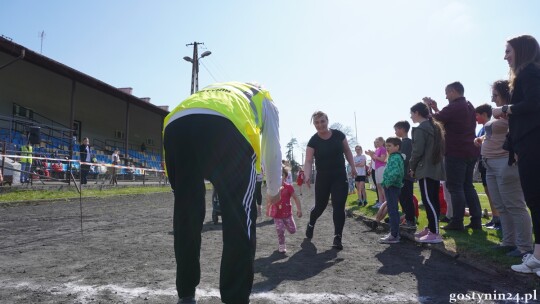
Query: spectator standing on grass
{"points": [[360, 179], [483, 115], [26, 162], [281, 211], [327, 147], [401, 129], [523, 56], [379, 157], [503, 181], [231, 129], [461, 155], [115, 161], [85, 157], [392, 183], [426, 165]]}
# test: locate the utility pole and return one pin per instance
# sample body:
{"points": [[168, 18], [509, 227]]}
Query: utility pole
{"points": [[195, 67]]}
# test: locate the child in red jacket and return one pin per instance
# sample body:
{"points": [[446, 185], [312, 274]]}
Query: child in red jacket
{"points": [[282, 211]]}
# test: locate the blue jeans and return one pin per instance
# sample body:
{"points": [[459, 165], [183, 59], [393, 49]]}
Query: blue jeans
{"points": [[459, 180], [392, 195], [24, 175], [351, 184]]}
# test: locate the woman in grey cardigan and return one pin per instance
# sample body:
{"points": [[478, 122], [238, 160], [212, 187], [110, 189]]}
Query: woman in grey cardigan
{"points": [[426, 165]]}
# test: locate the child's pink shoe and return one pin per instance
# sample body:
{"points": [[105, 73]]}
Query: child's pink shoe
{"points": [[431, 238], [421, 233]]}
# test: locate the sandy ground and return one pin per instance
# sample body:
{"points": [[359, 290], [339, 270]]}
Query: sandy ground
{"points": [[125, 255]]}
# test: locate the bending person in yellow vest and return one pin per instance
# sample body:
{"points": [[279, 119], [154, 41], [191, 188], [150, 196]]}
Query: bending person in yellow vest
{"points": [[215, 134], [26, 162]]}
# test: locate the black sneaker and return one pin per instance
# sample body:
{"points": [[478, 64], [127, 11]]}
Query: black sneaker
{"points": [[408, 225], [474, 226], [190, 300], [444, 219], [504, 248], [454, 225], [337, 242], [309, 231]]}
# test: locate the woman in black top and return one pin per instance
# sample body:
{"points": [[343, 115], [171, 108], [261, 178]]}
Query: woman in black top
{"points": [[328, 147], [523, 56]]}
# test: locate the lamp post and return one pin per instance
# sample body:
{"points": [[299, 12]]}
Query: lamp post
{"points": [[195, 65]]}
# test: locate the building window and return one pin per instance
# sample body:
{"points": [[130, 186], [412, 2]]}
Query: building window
{"points": [[21, 111], [119, 134]]}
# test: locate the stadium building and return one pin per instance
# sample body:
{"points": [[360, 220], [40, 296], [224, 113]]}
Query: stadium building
{"points": [[58, 106]]}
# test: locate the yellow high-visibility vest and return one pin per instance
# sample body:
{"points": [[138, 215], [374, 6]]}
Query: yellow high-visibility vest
{"points": [[239, 102], [26, 151]]}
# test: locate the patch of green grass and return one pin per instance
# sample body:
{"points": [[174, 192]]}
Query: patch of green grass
{"points": [[33, 195], [473, 244]]}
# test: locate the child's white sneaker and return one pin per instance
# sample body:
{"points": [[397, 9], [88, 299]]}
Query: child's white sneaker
{"points": [[530, 264], [389, 239], [282, 248]]}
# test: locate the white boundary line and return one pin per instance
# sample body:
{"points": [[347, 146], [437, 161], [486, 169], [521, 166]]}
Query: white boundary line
{"points": [[90, 293]]}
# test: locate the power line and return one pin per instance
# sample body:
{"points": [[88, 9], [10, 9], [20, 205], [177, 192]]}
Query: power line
{"points": [[220, 71], [204, 65], [218, 67]]}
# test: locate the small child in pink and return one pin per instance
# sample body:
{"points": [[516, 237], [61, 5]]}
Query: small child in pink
{"points": [[282, 211]]}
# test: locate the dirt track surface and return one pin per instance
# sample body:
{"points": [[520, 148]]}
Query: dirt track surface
{"points": [[125, 255]]}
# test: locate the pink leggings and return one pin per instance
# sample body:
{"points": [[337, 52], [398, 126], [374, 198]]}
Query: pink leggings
{"points": [[281, 225]]}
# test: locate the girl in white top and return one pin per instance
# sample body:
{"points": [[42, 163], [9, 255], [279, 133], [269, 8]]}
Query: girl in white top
{"points": [[360, 165]]}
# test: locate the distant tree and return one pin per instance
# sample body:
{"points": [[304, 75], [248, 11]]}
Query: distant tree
{"points": [[351, 139], [290, 155]]}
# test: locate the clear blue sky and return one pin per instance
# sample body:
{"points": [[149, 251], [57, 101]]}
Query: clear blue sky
{"points": [[372, 58]]}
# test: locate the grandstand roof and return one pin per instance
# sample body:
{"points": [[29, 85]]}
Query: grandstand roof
{"points": [[9, 47]]}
